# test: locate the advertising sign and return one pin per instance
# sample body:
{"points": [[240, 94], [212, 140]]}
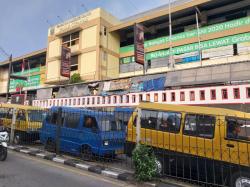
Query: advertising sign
{"points": [[139, 43], [219, 42], [193, 33], [65, 62]]}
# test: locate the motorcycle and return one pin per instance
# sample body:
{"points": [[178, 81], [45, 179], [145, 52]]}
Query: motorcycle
{"points": [[4, 138]]}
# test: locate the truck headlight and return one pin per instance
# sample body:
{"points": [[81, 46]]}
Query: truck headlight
{"points": [[105, 142]]}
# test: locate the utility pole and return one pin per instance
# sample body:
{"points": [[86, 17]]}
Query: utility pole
{"points": [[8, 83], [171, 60]]}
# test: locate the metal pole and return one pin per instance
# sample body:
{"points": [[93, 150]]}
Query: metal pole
{"points": [[198, 34], [8, 81], [170, 36], [138, 127], [13, 125], [58, 132]]}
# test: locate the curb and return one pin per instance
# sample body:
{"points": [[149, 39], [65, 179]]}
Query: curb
{"points": [[97, 169]]}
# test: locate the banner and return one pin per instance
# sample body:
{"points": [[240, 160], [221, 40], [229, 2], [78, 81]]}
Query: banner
{"points": [[65, 62], [193, 33], [139, 43], [219, 42]]}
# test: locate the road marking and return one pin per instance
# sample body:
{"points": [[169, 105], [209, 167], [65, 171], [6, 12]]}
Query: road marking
{"points": [[53, 164]]}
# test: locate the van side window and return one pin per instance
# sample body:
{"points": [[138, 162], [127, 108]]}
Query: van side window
{"points": [[72, 120], [199, 125], [238, 129], [169, 121], [90, 122], [52, 118], [149, 119]]}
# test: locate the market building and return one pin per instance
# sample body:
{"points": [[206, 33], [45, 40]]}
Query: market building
{"points": [[209, 46]]}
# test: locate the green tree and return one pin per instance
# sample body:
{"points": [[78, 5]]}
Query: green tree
{"points": [[144, 161], [75, 78]]}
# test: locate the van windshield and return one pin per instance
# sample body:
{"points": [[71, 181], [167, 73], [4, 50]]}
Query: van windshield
{"points": [[36, 115], [107, 124]]}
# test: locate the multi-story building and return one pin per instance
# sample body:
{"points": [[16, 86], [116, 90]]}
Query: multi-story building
{"points": [[213, 50]]}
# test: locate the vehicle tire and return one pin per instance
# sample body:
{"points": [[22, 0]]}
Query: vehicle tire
{"points": [[240, 179], [86, 153], [17, 139], [159, 166], [50, 146], [3, 153]]}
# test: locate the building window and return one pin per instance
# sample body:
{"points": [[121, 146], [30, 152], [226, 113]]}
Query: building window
{"points": [[248, 92], [98, 100], [156, 97], [79, 101], [104, 31], [120, 98], [148, 97], [71, 39], [69, 102], [114, 100], [213, 94], [173, 96], [202, 94], [103, 100], [140, 97], [127, 98], [74, 63], [109, 99], [224, 94], [133, 99], [192, 96], [182, 96], [164, 97], [87, 101], [236, 93], [61, 102], [105, 56], [93, 100], [65, 102], [83, 101]]}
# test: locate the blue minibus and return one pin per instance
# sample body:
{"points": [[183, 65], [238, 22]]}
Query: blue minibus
{"points": [[83, 132]]}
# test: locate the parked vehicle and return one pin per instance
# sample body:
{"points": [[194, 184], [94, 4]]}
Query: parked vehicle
{"points": [[83, 132], [4, 138], [28, 121], [199, 143]]}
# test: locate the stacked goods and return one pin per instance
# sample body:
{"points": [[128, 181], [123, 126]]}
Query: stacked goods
{"points": [[243, 48], [218, 52]]}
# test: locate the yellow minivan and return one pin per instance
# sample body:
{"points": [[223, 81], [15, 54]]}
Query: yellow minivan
{"points": [[28, 121], [202, 144]]}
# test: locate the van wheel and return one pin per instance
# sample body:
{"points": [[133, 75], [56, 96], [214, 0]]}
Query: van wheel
{"points": [[86, 153], [240, 179], [159, 166], [17, 139], [50, 146]]}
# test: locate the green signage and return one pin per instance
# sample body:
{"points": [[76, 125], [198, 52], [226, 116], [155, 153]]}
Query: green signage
{"points": [[219, 42], [32, 82], [193, 33]]}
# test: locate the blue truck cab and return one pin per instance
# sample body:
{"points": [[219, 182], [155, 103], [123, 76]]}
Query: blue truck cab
{"points": [[83, 132]]}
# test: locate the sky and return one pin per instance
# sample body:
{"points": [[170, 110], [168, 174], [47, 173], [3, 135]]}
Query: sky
{"points": [[24, 23]]}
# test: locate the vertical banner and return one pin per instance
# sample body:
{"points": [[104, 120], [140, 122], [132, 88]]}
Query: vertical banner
{"points": [[139, 43], [65, 62]]}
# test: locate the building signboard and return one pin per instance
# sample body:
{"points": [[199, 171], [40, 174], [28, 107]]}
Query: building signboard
{"points": [[65, 61], [219, 42], [193, 33], [33, 82], [139, 43]]}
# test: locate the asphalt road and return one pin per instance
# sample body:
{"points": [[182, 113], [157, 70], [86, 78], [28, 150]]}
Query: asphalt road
{"points": [[23, 171]]}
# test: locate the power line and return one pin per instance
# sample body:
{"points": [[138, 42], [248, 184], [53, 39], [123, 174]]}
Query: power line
{"points": [[4, 52], [131, 2]]}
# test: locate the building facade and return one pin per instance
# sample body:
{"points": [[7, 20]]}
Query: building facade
{"points": [[214, 52]]}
